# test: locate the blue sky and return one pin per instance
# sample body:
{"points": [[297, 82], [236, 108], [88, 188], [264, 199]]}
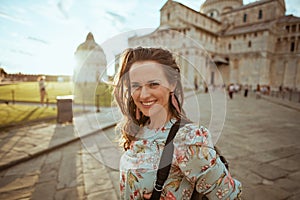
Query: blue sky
{"points": [[41, 36]]}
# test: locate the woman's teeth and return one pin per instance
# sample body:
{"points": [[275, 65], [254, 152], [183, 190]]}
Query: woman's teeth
{"points": [[149, 103]]}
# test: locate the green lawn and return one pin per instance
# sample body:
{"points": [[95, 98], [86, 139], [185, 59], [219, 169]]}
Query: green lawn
{"points": [[29, 91], [86, 94], [15, 114]]}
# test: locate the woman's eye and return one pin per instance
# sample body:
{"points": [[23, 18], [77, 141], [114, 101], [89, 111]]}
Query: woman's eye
{"points": [[135, 87], [154, 84]]}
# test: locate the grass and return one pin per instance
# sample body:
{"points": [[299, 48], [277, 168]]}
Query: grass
{"points": [[29, 91], [84, 93], [87, 94], [17, 114]]}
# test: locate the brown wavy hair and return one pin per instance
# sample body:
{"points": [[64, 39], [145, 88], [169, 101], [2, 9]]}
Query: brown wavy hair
{"points": [[129, 125]]}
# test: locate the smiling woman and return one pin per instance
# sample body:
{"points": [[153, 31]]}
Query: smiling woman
{"points": [[150, 95]]}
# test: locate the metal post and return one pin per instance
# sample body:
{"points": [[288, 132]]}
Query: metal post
{"points": [[13, 96], [97, 103], [83, 102]]}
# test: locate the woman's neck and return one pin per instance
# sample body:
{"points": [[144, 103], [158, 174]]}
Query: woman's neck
{"points": [[157, 122]]}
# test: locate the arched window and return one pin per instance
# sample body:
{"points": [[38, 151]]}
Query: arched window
{"points": [[292, 46], [245, 18], [260, 14]]}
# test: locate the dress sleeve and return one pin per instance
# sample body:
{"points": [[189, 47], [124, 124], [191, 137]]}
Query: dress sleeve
{"points": [[199, 162]]}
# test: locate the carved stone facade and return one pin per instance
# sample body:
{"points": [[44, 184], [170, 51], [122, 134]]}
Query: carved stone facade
{"points": [[90, 61], [90, 65], [248, 44]]}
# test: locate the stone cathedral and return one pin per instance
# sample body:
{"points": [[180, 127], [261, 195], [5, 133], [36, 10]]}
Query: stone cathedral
{"points": [[252, 44]]}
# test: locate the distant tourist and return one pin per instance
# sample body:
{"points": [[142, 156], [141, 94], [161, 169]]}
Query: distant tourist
{"points": [[231, 90], [42, 87], [258, 91], [196, 83], [246, 90]]}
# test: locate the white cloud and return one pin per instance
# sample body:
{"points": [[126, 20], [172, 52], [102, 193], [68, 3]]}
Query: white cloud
{"points": [[13, 18]]}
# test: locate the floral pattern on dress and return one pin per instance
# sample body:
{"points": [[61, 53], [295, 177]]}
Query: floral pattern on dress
{"points": [[195, 165]]}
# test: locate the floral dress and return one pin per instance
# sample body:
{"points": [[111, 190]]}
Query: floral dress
{"points": [[195, 164]]}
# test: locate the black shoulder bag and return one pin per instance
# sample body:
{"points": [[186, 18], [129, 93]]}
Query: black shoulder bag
{"points": [[166, 161]]}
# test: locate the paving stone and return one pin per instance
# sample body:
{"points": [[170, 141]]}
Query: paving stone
{"points": [[53, 157], [103, 195], [29, 168], [288, 185], [253, 178], [295, 196], [45, 190], [234, 151], [110, 157], [296, 158], [80, 192], [96, 177], [67, 170], [69, 193], [267, 182], [96, 180], [9, 145], [24, 193], [263, 157], [90, 144], [19, 183], [266, 192], [295, 176], [287, 164], [49, 172], [269, 171], [115, 175]]}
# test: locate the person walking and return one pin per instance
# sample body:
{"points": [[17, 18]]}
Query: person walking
{"points": [[42, 88], [149, 93]]}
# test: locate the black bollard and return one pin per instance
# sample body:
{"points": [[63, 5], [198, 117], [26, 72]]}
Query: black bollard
{"points": [[13, 96], [97, 103]]}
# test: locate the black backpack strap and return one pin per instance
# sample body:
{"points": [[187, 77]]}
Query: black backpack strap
{"points": [[165, 162]]}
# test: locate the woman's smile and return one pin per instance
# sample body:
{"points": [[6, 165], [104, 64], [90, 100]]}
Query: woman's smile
{"points": [[148, 103]]}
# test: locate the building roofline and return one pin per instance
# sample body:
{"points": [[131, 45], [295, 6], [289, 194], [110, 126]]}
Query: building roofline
{"points": [[249, 28], [249, 5], [196, 12]]}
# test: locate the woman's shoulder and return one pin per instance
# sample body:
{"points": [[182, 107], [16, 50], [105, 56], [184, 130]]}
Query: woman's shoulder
{"points": [[191, 134]]}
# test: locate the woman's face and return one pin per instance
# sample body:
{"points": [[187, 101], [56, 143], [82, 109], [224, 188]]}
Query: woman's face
{"points": [[150, 88]]}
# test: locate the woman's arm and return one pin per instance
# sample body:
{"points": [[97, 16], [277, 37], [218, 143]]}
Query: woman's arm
{"points": [[201, 165]]}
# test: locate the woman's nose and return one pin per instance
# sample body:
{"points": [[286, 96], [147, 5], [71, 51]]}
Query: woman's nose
{"points": [[144, 92]]}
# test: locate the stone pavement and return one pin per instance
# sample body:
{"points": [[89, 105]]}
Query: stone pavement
{"points": [[59, 161], [260, 138]]}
